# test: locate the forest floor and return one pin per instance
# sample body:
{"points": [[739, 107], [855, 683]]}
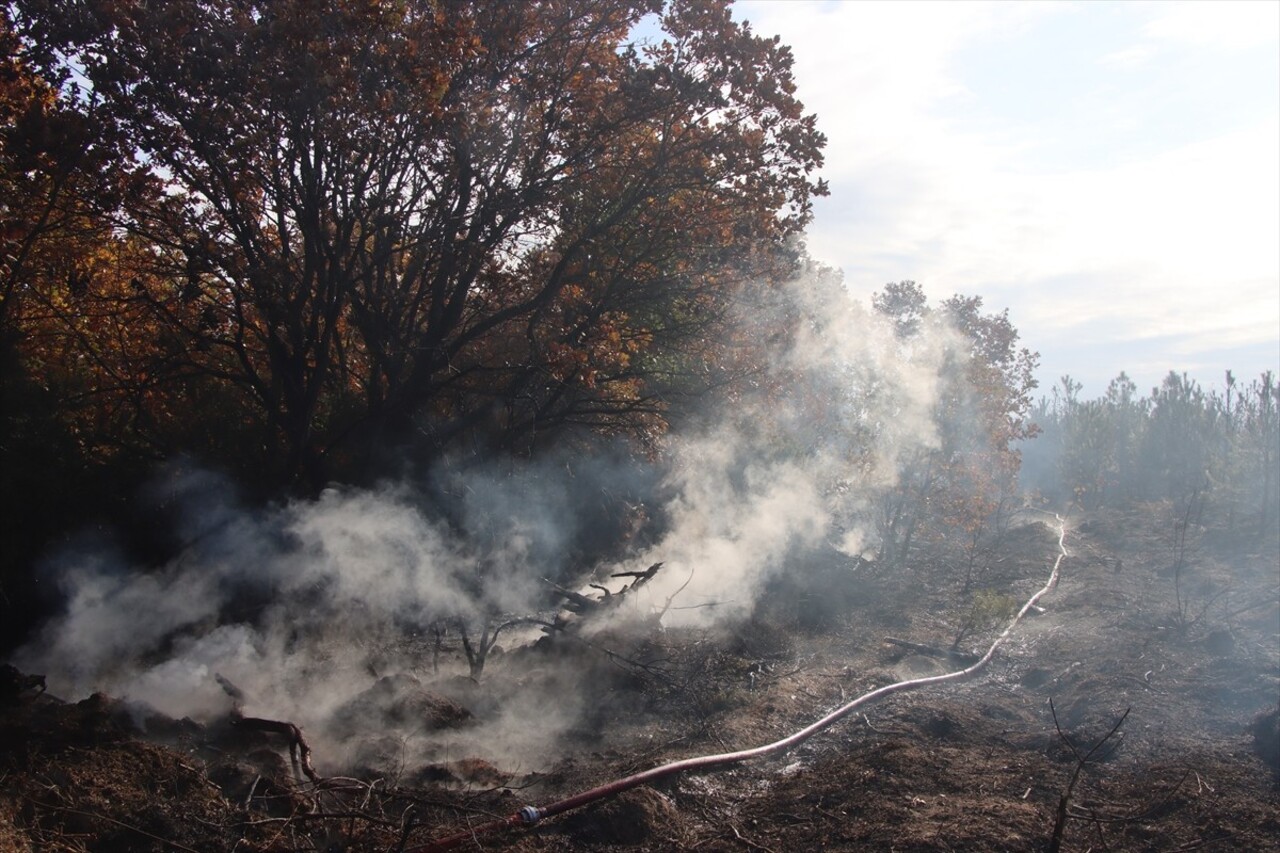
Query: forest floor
{"points": [[1190, 654]]}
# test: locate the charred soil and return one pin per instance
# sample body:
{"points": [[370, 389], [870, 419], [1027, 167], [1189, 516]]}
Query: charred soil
{"points": [[1034, 753]]}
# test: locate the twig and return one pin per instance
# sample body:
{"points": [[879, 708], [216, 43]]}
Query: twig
{"points": [[882, 731], [1192, 845], [932, 651], [738, 835], [1135, 816], [253, 789], [1102, 839], [1142, 683], [407, 821], [672, 597], [1269, 600]]}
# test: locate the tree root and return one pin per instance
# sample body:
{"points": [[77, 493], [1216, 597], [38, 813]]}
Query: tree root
{"points": [[299, 749]]}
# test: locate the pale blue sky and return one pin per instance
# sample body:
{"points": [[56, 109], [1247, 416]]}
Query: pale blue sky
{"points": [[1110, 172]]}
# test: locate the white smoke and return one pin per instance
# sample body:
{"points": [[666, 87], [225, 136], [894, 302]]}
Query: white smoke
{"points": [[802, 466], [298, 604], [247, 588]]}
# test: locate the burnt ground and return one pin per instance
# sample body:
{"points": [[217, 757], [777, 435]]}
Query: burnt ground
{"points": [[1192, 656]]}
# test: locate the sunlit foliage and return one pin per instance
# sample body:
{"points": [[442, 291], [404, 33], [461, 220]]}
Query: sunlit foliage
{"points": [[355, 225]]}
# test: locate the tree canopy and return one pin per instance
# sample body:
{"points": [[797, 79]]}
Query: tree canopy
{"points": [[313, 231]]}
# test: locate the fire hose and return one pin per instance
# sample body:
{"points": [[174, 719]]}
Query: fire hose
{"points": [[528, 816]]}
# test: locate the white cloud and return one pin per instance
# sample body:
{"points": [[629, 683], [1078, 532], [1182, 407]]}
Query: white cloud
{"points": [[1224, 24], [1232, 26], [1074, 199], [874, 71], [1128, 57]]}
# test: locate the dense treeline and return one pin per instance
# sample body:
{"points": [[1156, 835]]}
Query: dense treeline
{"points": [[296, 240], [1218, 447]]}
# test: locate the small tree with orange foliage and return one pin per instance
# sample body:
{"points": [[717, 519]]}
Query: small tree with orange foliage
{"points": [[955, 496]]}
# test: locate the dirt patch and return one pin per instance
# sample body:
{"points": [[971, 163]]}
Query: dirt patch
{"points": [[76, 777], [635, 817], [394, 702]]}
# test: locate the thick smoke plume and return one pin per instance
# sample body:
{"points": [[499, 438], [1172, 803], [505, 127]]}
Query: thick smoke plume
{"points": [[306, 605], [801, 466]]}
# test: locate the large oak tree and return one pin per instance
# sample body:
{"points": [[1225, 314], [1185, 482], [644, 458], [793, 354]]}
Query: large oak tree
{"points": [[375, 219]]}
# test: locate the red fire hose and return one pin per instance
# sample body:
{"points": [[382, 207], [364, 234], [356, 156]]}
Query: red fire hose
{"points": [[530, 815]]}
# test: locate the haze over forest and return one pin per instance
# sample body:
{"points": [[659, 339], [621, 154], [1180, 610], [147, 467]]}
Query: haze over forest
{"points": [[325, 321]]}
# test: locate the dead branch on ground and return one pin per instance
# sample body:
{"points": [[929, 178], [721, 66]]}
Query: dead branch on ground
{"points": [[299, 749], [583, 606], [933, 651]]}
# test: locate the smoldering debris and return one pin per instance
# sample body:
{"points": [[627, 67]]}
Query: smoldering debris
{"points": [[305, 609], [315, 609]]}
